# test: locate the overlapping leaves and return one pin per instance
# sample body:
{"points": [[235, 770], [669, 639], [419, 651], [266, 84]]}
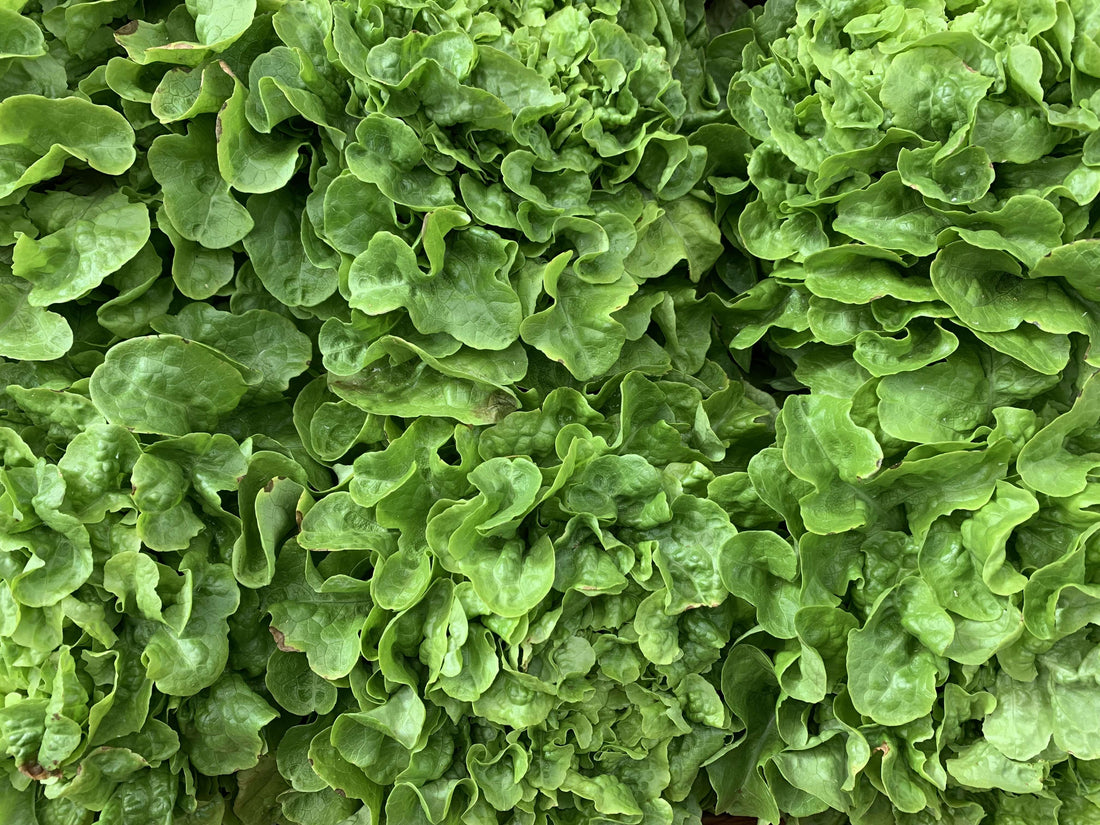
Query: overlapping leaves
{"points": [[259, 261], [919, 193], [548, 413]]}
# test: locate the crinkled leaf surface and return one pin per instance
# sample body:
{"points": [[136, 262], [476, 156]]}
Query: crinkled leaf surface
{"points": [[549, 413]]}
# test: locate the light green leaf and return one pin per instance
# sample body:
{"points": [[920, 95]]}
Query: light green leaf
{"points": [[824, 447], [38, 135], [29, 332], [1021, 724], [277, 252], [221, 727], [469, 298], [185, 93], [184, 663], [19, 36], [579, 330], [218, 23], [891, 676], [980, 765], [267, 348], [380, 740], [248, 160], [914, 230], [1052, 462], [87, 239], [165, 384], [322, 620], [196, 198], [932, 91], [987, 293]]}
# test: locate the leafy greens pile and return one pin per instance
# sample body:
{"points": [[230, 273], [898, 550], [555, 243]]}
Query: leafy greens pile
{"points": [[533, 413]]}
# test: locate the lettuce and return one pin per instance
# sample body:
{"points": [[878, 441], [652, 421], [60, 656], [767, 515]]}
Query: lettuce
{"points": [[917, 195], [526, 413]]}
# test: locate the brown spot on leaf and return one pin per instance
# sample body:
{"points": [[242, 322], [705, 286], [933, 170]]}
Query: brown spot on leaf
{"points": [[128, 29], [280, 641], [32, 770]]}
